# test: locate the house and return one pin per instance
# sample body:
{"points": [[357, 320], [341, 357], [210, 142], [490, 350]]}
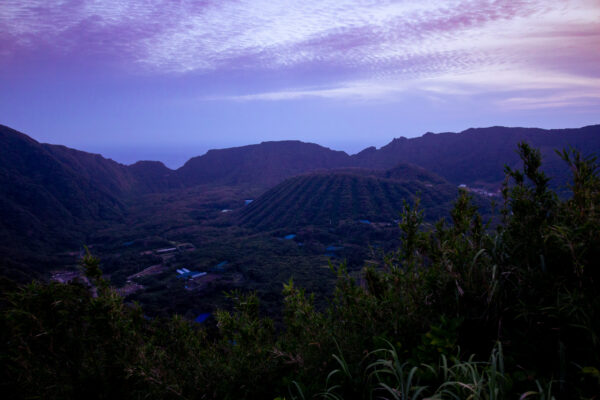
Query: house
{"points": [[184, 273], [334, 248], [165, 251]]}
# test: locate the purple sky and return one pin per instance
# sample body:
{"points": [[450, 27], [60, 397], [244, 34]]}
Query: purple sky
{"points": [[169, 79]]}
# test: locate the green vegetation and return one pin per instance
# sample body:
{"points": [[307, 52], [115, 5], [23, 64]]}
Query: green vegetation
{"points": [[459, 310], [331, 198]]}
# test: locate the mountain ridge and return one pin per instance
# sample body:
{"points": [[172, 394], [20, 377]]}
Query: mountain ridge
{"points": [[55, 197], [453, 155], [449, 154], [265, 164]]}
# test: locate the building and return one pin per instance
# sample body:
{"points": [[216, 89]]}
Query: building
{"points": [[165, 251]]}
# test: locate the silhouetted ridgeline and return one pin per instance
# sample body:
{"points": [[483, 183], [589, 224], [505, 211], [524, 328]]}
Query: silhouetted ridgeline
{"points": [[477, 156], [53, 198], [455, 312], [264, 164]]}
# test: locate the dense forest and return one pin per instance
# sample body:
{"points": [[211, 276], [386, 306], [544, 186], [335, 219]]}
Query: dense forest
{"points": [[465, 309]]}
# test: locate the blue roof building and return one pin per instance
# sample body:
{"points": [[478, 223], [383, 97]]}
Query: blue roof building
{"points": [[202, 317]]}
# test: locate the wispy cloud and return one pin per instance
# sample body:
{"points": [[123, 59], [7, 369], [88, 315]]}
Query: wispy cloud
{"points": [[378, 48], [513, 90], [359, 90]]}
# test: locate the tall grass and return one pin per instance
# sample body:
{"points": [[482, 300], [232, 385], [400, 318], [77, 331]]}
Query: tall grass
{"points": [[473, 380], [384, 376]]}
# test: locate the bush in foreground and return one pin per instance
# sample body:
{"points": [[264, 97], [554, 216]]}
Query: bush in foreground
{"points": [[459, 311]]}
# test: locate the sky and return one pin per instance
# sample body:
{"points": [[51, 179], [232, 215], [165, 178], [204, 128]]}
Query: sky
{"points": [[169, 79]]}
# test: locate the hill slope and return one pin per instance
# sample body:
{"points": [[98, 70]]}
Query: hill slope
{"points": [[328, 198], [478, 156], [263, 165], [40, 185], [45, 202], [113, 177]]}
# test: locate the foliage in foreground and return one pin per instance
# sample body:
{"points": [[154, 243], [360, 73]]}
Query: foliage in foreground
{"points": [[459, 311]]}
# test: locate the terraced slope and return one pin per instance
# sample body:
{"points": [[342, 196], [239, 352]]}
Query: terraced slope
{"points": [[331, 198]]}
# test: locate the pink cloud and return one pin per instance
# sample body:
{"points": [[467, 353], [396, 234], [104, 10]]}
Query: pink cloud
{"points": [[361, 40]]}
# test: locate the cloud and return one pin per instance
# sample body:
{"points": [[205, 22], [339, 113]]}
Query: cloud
{"points": [[359, 91], [377, 49], [188, 36], [507, 91]]}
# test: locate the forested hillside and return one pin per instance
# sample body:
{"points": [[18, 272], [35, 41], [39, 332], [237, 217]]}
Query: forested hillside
{"points": [[457, 311], [477, 156], [55, 199]]}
